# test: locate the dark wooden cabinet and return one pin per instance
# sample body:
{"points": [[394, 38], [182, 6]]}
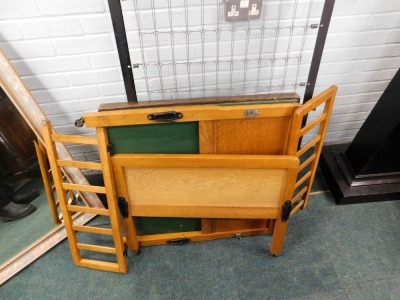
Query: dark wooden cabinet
{"points": [[16, 140]]}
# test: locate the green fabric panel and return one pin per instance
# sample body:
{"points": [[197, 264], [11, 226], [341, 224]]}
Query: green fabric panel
{"points": [[158, 138], [155, 138], [145, 226]]}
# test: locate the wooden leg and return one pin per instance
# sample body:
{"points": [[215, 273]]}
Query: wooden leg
{"points": [[131, 235], [278, 237]]}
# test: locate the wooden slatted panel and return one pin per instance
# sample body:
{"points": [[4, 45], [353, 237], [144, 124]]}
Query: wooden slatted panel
{"points": [[325, 101], [65, 188]]}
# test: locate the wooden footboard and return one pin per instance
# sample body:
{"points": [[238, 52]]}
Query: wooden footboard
{"points": [[203, 186]]}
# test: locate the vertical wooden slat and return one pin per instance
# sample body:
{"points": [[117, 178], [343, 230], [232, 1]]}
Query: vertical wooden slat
{"points": [[44, 170], [129, 225], [207, 141], [280, 227], [111, 197]]}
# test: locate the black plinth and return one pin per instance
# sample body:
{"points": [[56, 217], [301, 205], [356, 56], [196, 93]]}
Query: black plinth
{"points": [[368, 169], [347, 189]]}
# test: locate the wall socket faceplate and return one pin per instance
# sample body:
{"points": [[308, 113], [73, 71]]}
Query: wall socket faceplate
{"points": [[241, 10]]}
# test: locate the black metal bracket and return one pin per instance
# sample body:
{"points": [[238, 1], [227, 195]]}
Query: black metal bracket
{"points": [[123, 207], [109, 148], [167, 116], [180, 241], [286, 210]]}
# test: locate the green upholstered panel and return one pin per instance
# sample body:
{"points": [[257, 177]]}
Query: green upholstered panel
{"points": [[155, 138], [158, 138]]}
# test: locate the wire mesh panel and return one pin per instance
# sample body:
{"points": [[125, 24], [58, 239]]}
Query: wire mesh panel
{"points": [[183, 49]]}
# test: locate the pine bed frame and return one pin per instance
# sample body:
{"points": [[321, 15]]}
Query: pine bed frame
{"points": [[249, 175]]}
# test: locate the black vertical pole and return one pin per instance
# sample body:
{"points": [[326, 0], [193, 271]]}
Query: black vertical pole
{"points": [[317, 55], [123, 49], [319, 48]]}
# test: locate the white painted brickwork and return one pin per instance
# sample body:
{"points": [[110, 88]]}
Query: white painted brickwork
{"points": [[65, 52]]}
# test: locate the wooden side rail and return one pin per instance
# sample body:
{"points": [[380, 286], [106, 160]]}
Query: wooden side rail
{"points": [[309, 151], [64, 187]]}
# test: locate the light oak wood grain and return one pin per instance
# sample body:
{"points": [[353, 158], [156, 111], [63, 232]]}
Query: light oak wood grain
{"points": [[190, 114], [205, 187]]}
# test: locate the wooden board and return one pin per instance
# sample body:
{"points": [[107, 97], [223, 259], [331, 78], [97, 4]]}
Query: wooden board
{"points": [[216, 186], [234, 100], [231, 133], [192, 113]]}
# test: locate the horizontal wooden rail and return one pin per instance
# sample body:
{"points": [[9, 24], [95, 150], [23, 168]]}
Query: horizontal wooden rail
{"points": [[92, 229], [307, 162], [74, 139], [100, 265], [79, 164], [84, 188], [299, 194], [314, 123], [190, 114], [205, 161], [308, 146], [297, 207], [89, 210], [301, 181], [95, 248]]}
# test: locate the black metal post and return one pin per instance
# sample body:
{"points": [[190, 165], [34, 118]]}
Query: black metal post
{"points": [[319, 48], [123, 49]]}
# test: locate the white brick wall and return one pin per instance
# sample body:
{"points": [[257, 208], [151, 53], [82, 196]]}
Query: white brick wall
{"points": [[65, 51]]}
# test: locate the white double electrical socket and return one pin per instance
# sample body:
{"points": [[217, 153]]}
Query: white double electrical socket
{"points": [[241, 10]]}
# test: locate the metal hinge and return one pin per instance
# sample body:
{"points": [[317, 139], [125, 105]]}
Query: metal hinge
{"points": [[123, 207], [109, 148], [251, 113], [286, 210]]}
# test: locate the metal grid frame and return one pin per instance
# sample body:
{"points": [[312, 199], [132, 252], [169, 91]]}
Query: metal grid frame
{"points": [[183, 55]]}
